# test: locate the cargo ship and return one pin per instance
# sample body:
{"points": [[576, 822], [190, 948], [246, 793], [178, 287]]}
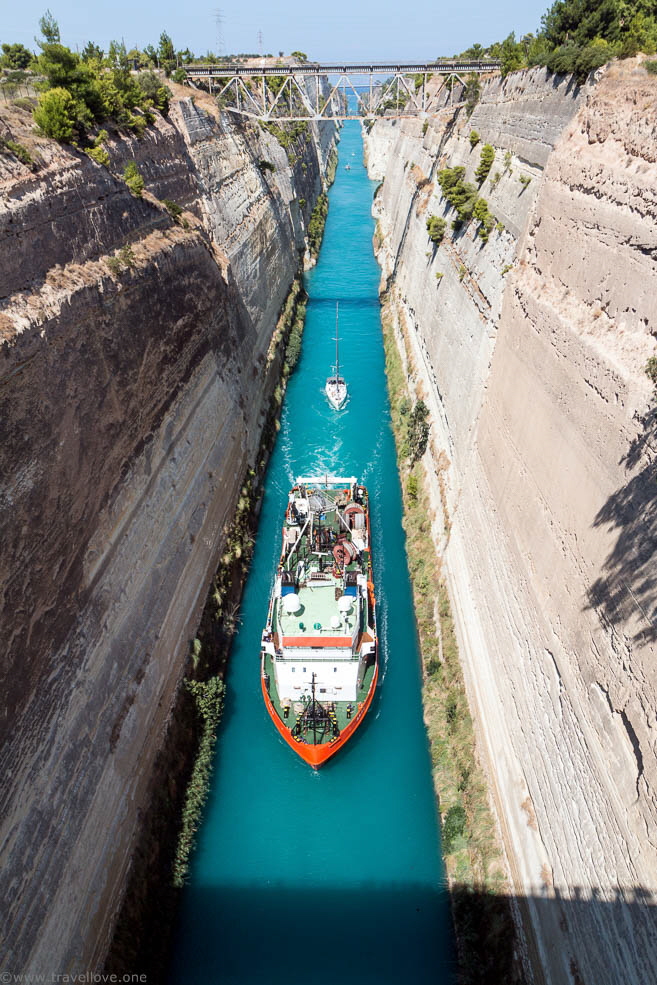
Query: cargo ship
{"points": [[319, 663]]}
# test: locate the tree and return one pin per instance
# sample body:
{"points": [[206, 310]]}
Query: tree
{"points": [[418, 431], [436, 226], [152, 54], [166, 53], [16, 56], [49, 29], [92, 52], [472, 92], [55, 114], [301, 56], [485, 163], [133, 179], [513, 55]]}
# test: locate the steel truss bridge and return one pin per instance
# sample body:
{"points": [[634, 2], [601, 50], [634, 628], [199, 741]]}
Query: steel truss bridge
{"points": [[304, 92]]}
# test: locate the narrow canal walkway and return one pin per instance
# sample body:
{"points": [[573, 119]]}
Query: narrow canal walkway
{"points": [[335, 876]]}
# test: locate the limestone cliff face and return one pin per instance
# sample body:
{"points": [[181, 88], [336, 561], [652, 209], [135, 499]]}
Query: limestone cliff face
{"points": [[131, 403], [530, 351]]}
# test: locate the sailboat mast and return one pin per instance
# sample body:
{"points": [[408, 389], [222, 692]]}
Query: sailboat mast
{"points": [[337, 359]]}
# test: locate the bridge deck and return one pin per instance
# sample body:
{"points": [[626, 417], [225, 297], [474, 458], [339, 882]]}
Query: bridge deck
{"points": [[343, 68]]}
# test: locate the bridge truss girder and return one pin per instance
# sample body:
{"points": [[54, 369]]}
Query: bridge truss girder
{"points": [[397, 97]]}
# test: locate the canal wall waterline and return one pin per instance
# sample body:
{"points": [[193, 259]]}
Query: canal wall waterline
{"points": [[342, 867]]}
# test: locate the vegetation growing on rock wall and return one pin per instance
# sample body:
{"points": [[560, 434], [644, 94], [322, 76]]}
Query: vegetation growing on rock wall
{"points": [[460, 195], [436, 226], [99, 155], [317, 223], [133, 179], [208, 697], [287, 134], [464, 197], [472, 92], [482, 214], [17, 150], [417, 431], [485, 163], [474, 862], [474, 138]]}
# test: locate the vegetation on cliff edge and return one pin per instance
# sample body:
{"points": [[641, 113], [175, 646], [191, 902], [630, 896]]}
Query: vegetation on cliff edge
{"points": [[483, 921], [578, 36]]}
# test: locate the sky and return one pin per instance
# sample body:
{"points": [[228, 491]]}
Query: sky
{"points": [[340, 29]]}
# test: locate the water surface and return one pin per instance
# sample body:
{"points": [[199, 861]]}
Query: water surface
{"points": [[331, 876]]}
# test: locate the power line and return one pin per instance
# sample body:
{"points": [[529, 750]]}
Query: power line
{"points": [[219, 23]]}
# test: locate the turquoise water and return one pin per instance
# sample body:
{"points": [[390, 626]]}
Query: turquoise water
{"points": [[330, 876]]}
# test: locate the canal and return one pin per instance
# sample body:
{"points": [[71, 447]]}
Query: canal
{"points": [[329, 876]]}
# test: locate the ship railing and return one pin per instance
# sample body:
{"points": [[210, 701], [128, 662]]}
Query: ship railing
{"points": [[326, 480]]}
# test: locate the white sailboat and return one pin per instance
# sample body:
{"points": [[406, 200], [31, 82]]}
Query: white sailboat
{"points": [[336, 388]]}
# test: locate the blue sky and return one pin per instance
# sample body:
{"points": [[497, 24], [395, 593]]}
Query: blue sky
{"points": [[324, 30]]}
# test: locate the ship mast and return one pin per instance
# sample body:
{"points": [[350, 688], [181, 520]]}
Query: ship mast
{"points": [[337, 358]]}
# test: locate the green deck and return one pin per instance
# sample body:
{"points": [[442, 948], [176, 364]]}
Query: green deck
{"points": [[340, 707]]}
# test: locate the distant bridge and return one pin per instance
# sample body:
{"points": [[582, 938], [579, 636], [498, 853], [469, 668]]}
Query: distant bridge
{"points": [[303, 92]]}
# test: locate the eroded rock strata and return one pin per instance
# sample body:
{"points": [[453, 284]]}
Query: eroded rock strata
{"points": [[132, 398], [530, 351]]}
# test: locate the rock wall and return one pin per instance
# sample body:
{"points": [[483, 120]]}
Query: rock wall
{"points": [[530, 352], [132, 396]]}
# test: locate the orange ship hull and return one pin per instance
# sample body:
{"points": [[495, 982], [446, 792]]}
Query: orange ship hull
{"points": [[316, 755]]}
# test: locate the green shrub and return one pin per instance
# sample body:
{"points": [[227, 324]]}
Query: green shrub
{"points": [[482, 214], [436, 228], [55, 114], [524, 180], [127, 256], [208, 697], [114, 264], [474, 138], [151, 85], [453, 827], [411, 487], [460, 195], [425, 127], [485, 163], [265, 166], [174, 210], [316, 224], [24, 102], [651, 370], [649, 67], [22, 153], [99, 155], [417, 431], [133, 179], [179, 76]]}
